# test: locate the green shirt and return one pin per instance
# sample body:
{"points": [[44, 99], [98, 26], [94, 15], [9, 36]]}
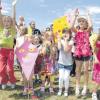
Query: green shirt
{"points": [[7, 41]]}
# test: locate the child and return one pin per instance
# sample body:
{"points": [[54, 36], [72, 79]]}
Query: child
{"points": [[82, 49], [65, 60], [96, 69], [7, 33], [39, 60], [28, 85], [32, 30], [21, 22], [48, 50]]}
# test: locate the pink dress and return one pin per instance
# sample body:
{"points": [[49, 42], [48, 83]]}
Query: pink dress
{"points": [[82, 45], [48, 62], [96, 70]]}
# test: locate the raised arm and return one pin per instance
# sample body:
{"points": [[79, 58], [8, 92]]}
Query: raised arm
{"points": [[90, 25], [59, 42], [74, 21], [0, 14], [14, 11]]}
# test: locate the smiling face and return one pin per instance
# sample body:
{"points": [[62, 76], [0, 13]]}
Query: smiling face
{"points": [[23, 30], [83, 24], [7, 22], [36, 40], [66, 34]]}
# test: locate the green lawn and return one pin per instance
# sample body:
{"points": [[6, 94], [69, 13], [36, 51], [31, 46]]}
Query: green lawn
{"points": [[16, 94]]}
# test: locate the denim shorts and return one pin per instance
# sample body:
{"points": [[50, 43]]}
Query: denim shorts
{"points": [[82, 58], [66, 67]]}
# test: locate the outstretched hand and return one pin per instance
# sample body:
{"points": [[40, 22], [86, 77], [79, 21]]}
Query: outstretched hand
{"points": [[14, 2]]}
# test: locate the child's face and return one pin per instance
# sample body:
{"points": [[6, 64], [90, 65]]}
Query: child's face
{"points": [[22, 30], [21, 18], [66, 35], [7, 22], [82, 24], [36, 40], [33, 25]]}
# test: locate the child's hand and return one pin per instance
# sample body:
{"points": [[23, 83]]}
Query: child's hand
{"points": [[14, 2]]}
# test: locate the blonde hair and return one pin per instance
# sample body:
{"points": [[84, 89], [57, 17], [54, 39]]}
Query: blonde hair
{"points": [[85, 20], [98, 39], [6, 18]]}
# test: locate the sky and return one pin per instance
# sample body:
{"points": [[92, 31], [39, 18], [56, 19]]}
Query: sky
{"points": [[45, 11]]}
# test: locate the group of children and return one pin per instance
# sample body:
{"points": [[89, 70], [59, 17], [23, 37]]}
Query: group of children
{"points": [[51, 53]]}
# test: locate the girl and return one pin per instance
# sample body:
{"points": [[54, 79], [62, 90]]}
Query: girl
{"points": [[28, 85], [49, 51], [96, 69], [7, 33], [82, 49], [65, 60], [39, 60]]}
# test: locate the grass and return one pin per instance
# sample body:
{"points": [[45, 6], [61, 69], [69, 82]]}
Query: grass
{"points": [[16, 94]]}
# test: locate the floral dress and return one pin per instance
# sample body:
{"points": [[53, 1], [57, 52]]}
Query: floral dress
{"points": [[48, 62], [82, 45]]}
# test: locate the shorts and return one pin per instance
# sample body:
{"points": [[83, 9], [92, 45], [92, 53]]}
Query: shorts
{"points": [[66, 67], [82, 58]]}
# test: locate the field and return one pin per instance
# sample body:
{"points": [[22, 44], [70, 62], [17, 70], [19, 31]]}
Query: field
{"points": [[16, 94]]}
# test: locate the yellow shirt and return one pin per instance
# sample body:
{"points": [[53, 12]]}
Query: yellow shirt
{"points": [[29, 30], [7, 41], [93, 39]]}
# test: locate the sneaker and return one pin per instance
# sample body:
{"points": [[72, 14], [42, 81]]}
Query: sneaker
{"points": [[59, 93], [12, 86], [77, 92], [42, 89], [65, 93], [94, 96], [25, 92], [51, 90], [84, 92], [4, 86]]}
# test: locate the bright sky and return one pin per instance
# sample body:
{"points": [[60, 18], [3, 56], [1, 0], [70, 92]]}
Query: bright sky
{"points": [[45, 11]]}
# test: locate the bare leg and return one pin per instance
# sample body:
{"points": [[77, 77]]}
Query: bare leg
{"points": [[86, 77], [78, 76]]}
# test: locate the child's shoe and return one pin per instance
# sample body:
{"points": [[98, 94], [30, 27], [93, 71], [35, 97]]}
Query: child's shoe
{"points": [[51, 90], [12, 86], [4, 86], [77, 91], [65, 93], [94, 96], [59, 93], [84, 91]]}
